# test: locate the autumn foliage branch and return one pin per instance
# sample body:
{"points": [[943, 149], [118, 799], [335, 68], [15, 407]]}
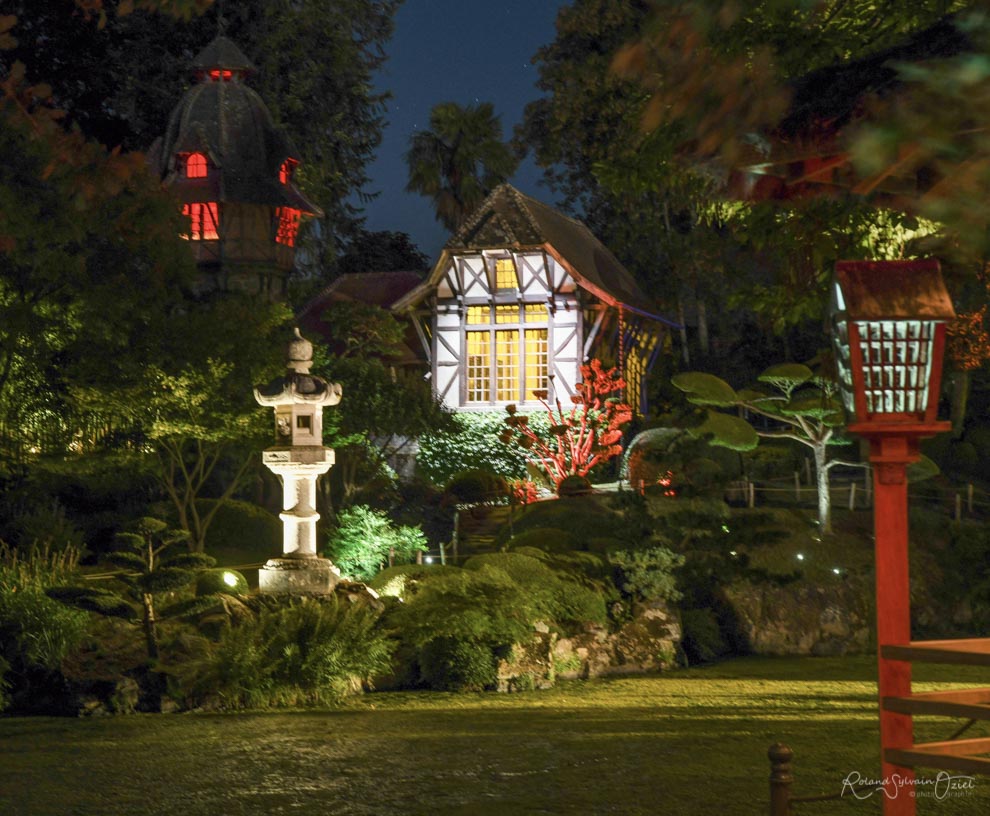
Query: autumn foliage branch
{"points": [[586, 435]]}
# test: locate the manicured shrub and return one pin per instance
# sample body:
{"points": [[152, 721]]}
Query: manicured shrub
{"points": [[475, 486], [555, 596], [241, 532], [221, 581], [304, 651], [454, 664], [583, 517], [574, 485], [397, 581], [701, 636], [479, 608], [547, 539], [647, 574], [363, 539]]}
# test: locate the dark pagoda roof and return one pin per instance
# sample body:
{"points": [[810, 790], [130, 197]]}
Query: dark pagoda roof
{"points": [[508, 219], [230, 124], [222, 54]]}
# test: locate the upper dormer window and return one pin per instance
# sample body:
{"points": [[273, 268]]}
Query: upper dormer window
{"points": [[195, 165], [221, 75], [505, 274], [286, 171]]}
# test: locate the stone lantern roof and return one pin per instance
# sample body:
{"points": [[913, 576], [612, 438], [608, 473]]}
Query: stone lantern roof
{"points": [[298, 385]]}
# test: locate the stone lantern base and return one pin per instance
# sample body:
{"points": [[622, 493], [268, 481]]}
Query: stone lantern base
{"points": [[298, 576]]}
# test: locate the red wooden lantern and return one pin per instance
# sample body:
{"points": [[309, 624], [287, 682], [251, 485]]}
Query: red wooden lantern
{"points": [[888, 332]]}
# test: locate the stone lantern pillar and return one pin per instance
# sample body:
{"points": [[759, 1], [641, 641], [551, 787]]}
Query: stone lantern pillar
{"points": [[298, 458]]}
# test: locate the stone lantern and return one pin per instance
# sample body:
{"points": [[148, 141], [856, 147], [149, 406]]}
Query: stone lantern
{"points": [[298, 458]]}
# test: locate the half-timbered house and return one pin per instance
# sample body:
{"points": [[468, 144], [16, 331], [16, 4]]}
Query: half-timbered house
{"points": [[520, 297]]}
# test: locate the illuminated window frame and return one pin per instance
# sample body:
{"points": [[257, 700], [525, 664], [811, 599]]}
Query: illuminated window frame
{"points": [[204, 220], [507, 353], [195, 165], [286, 170], [287, 227], [505, 274]]}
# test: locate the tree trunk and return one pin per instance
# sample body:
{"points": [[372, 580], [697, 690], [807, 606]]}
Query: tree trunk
{"points": [[703, 327], [685, 352], [960, 396], [150, 629], [824, 498]]}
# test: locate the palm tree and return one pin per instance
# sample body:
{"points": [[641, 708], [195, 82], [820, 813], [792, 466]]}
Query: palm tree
{"points": [[459, 160]]}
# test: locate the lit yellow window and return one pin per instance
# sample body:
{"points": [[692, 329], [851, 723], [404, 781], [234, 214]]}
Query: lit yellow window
{"points": [[506, 365], [478, 315], [505, 274], [535, 313], [537, 362], [478, 366], [506, 314]]}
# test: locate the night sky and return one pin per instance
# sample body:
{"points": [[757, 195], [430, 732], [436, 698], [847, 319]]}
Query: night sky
{"points": [[463, 51]]}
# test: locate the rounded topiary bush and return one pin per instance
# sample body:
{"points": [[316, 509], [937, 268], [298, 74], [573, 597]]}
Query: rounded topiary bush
{"points": [[547, 539], [475, 486], [396, 581], [221, 581], [455, 664], [581, 516], [701, 637], [241, 532], [574, 485]]}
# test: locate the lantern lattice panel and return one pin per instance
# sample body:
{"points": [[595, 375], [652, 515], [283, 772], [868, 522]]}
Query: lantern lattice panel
{"points": [[896, 364]]}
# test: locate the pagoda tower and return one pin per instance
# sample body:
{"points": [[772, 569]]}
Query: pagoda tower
{"points": [[233, 172]]}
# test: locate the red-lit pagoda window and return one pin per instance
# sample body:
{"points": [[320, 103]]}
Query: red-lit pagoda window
{"points": [[203, 220], [288, 225], [286, 170], [195, 165], [221, 75]]}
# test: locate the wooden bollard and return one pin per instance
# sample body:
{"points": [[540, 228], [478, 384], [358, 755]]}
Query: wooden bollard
{"points": [[797, 486], [752, 495], [781, 779], [958, 507], [852, 495], [969, 498]]}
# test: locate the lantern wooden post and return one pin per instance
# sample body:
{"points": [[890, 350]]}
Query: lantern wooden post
{"points": [[889, 334]]}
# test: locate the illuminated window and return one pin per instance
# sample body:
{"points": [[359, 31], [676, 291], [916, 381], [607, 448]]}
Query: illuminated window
{"points": [[221, 75], [634, 375], [195, 165], [286, 170], [203, 221], [505, 274], [288, 225], [506, 359], [478, 366]]}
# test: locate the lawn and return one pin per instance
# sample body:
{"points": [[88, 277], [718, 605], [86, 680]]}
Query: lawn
{"points": [[691, 742]]}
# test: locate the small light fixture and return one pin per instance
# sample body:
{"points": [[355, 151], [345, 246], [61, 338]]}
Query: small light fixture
{"points": [[836, 570], [230, 579], [800, 556]]}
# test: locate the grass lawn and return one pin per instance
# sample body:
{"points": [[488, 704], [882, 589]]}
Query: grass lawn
{"points": [[692, 742]]}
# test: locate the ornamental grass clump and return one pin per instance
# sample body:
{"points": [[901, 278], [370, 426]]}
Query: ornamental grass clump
{"points": [[299, 652], [36, 632]]}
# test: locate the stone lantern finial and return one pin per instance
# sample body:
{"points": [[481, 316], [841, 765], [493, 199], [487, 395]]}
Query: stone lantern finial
{"points": [[300, 353]]}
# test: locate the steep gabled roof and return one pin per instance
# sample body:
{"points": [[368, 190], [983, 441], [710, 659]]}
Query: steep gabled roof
{"points": [[508, 219]]}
